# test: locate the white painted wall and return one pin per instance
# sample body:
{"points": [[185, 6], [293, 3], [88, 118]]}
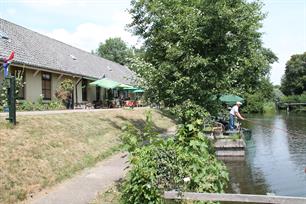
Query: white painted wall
{"points": [[33, 87]]}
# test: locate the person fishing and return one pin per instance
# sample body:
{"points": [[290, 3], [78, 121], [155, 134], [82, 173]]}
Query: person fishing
{"points": [[233, 113]]}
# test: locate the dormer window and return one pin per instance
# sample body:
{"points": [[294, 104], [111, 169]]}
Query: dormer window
{"points": [[3, 35]]}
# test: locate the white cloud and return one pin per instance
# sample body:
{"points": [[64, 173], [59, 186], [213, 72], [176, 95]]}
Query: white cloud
{"points": [[87, 36]]}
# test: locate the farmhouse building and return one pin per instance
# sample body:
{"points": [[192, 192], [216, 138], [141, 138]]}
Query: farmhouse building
{"points": [[46, 62]]}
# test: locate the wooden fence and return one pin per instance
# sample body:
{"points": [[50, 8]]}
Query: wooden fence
{"points": [[246, 198]]}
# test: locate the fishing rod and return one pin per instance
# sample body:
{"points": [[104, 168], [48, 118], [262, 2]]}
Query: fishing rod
{"points": [[273, 127]]}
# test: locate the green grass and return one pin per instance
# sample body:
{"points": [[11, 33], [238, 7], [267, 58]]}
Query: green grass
{"points": [[111, 196], [235, 136], [43, 150]]}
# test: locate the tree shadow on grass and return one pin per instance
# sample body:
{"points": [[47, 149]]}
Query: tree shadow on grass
{"points": [[167, 113], [138, 123], [114, 124]]}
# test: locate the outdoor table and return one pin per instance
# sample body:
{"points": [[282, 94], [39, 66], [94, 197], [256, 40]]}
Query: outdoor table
{"points": [[130, 103]]}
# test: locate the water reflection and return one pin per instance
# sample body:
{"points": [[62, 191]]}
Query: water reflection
{"points": [[275, 159]]}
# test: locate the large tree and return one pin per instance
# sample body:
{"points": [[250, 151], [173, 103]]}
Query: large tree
{"points": [[115, 49], [294, 80], [200, 48]]}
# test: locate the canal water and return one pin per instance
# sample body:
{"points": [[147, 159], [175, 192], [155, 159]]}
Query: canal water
{"points": [[275, 160]]}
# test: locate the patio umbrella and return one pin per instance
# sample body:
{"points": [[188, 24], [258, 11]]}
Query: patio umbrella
{"points": [[125, 86], [138, 91], [105, 83], [230, 99]]}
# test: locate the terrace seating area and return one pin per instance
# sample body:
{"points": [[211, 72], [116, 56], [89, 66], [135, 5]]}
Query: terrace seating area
{"points": [[117, 95], [115, 103]]}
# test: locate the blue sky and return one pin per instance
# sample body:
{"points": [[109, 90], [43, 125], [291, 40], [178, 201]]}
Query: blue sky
{"points": [[86, 23]]}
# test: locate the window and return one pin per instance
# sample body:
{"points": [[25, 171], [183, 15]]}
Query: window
{"points": [[3, 35], [98, 91], [46, 85], [84, 89]]}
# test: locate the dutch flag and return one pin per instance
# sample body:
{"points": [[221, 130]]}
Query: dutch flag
{"points": [[7, 63]]}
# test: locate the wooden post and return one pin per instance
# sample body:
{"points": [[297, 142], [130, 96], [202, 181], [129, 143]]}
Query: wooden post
{"points": [[247, 198], [287, 108], [11, 94]]}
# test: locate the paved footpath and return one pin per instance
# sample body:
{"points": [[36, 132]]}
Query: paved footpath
{"points": [[51, 112], [84, 188]]}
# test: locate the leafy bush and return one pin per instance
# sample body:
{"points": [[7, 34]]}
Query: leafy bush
{"points": [[132, 138], [294, 98], [254, 103], [189, 112], [63, 91], [185, 162], [39, 106], [4, 86], [269, 107]]}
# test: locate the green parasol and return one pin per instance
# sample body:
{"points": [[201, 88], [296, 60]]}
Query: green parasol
{"points": [[230, 99], [105, 83], [138, 91], [126, 87]]}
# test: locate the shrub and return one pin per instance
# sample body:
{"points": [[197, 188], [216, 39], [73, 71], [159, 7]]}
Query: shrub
{"points": [[39, 106], [269, 107], [189, 112], [254, 103], [63, 91], [132, 138], [185, 162], [294, 98]]}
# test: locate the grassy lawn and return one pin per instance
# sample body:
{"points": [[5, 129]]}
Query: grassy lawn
{"points": [[45, 149], [111, 196]]}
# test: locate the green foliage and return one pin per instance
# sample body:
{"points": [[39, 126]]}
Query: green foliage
{"points": [[294, 80], [19, 80], [149, 133], [261, 99], [115, 49], [235, 137], [294, 98], [199, 49], [254, 103], [3, 93], [39, 106], [189, 112], [277, 94], [66, 85], [185, 162], [4, 86], [269, 107], [132, 138], [167, 165], [64, 90]]}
